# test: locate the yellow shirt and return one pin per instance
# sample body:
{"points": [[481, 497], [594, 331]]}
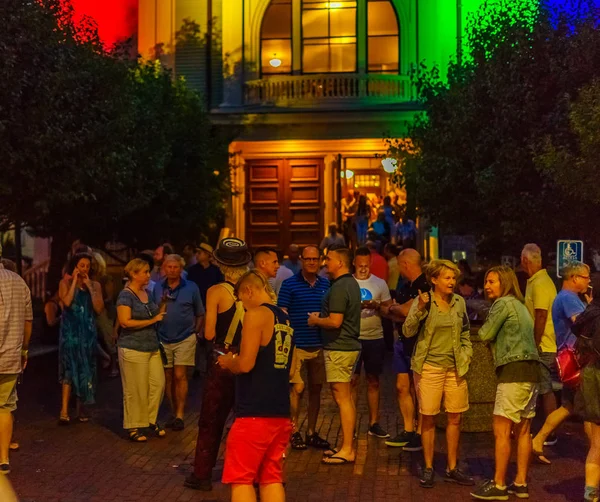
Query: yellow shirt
{"points": [[540, 294]]}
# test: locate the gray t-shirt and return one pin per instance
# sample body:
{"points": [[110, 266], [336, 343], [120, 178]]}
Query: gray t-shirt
{"points": [[342, 298], [141, 339]]}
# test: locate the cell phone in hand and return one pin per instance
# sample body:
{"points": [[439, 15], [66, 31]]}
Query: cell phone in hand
{"points": [[219, 352]]}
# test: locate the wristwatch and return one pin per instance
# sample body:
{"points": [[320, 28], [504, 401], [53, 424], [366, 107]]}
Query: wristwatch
{"points": [[24, 352]]}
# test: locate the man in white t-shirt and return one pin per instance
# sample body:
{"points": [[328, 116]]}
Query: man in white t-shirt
{"points": [[376, 300]]}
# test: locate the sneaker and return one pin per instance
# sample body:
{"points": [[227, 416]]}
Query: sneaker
{"points": [[489, 491], [427, 478], [551, 440], [400, 440], [521, 492], [178, 424], [194, 482], [414, 444], [4, 468], [459, 477], [297, 441], [315, 441], [377, 431]]}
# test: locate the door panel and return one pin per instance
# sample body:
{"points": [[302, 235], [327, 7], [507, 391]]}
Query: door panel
{"points": [[284, 202]]}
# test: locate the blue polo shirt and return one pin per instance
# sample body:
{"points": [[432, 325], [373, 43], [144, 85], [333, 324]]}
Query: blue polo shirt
{"points": [[184, 304], [299, 298]]}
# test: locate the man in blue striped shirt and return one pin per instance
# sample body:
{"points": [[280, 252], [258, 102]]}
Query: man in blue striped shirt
{"points": [[299, 295]]}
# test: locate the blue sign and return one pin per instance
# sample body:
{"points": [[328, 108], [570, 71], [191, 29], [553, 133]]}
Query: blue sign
{"points": [[568, 252]]}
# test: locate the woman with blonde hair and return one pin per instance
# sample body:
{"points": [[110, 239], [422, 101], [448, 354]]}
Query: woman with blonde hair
{"points": [[223, 326], [440, 361], [142, 373], [509, 327]]}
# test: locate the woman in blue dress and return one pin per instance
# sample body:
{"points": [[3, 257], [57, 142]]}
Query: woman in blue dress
{"points": [[81, 299]]}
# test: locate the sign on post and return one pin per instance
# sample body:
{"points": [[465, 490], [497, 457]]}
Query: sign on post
{"points": [[568, 252]]}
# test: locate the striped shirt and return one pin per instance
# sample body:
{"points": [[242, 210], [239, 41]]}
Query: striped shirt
{"points": [[299, 298], [15, 309]]}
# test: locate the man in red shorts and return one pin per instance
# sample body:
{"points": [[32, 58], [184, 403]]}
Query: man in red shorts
{"points": [[261, 431]]}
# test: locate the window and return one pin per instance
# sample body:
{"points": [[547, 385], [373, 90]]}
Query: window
{"points": [[328, 36], [276, 39], [383, 37]]}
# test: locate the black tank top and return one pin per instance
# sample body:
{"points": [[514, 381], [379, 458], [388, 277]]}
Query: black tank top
{"points": [[265, 390], [224, 320]]}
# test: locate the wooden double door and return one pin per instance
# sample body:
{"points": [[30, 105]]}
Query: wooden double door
{"points": [[284, 202]]}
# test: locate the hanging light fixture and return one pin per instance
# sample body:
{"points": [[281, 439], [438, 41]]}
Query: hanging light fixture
{"points": [[389, 164], [275, 62]]}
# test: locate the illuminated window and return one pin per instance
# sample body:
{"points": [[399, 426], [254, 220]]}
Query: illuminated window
{"points": [[367, 181], [328, 36], [276, 39], [383, 37]]}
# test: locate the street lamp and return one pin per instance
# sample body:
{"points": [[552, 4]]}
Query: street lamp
{"points": [[389, 164]]}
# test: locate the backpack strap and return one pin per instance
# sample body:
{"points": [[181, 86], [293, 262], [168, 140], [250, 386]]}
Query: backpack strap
{"points": [[238, 317]]}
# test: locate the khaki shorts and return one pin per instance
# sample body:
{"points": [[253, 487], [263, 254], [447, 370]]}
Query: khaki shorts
{"points": [[340, 365], [8, 392], [436, 384], [181, 353], [313, 362], [516, 400]]}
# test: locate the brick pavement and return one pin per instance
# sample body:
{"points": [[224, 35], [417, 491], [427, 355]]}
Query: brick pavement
{"points": [[94, 462]]}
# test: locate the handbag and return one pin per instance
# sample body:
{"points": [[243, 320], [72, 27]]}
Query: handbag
{"points": [[569, 368]]}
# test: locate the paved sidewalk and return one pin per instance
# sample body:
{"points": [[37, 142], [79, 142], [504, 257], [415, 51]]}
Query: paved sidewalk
{"points": [[94, 462]]}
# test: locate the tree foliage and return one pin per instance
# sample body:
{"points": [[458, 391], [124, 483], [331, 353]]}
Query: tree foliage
{"points": [[96, 145], [498, 149]]}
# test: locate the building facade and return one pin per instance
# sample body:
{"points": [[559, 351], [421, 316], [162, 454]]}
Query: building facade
{"points": [[311, 88]]}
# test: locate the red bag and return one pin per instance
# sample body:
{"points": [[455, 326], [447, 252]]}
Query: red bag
{"points": [[569, 368]]}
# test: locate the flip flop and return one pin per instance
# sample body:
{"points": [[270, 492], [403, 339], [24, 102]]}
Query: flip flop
{"points": [[14, 446], [335, 460], [331, 452], [64, 421], [540, 457], [83, 419]]}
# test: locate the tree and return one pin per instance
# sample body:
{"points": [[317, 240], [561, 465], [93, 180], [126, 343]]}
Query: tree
{"points": [[480, 143], [96, 145]]}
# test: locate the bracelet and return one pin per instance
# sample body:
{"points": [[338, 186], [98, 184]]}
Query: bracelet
{"points": [[24, 352]]}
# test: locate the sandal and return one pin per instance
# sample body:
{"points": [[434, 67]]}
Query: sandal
{"points": [[335, 460], [297, 441], [540, 457], [63, 420], [136, 437], [157, 430], [82, 419], [331, 452], [14, 446]]}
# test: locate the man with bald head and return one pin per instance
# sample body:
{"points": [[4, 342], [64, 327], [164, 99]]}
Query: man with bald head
{"points": [[410, 267]]}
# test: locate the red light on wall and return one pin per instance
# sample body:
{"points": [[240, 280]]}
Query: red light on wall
{"points": [[117, 19]]}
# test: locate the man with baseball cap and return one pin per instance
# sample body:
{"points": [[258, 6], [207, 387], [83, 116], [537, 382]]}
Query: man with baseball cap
{"points": [[204, 273], [223, 326]]}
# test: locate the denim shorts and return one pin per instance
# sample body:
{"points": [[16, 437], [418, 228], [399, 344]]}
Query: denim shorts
{"points": [[516, 400]]}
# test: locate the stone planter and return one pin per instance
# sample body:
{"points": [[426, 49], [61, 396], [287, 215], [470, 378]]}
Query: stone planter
{"points": [[481, 379]]}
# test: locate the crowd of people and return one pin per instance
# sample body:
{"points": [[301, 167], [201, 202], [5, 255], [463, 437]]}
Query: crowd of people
{"points": [[275, 330]]}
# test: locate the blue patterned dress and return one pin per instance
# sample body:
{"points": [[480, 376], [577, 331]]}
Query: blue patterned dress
{"points": [[77, 347]]}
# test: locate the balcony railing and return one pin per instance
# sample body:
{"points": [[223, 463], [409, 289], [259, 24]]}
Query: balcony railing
{"points": [[309, 90]]}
